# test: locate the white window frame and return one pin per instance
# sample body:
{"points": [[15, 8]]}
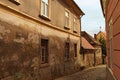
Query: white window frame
{"points": [[75, 24], [45, 8], [67, 19]]}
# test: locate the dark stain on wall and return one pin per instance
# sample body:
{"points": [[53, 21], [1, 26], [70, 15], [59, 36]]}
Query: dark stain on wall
{"points": [[20, 55]]}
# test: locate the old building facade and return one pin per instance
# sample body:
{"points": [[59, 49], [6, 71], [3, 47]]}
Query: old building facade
{"points": [[92, 49], [88, 53], [39, 39], [111, 12], [101, 37]]}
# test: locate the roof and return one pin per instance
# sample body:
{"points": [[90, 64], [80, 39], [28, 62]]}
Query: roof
{"points": [[74, 6], [104, 4], [89, 38], [86, 44]]}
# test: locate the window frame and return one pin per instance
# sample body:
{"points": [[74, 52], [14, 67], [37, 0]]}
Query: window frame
{"points": [[45, 8], [67, 19], [75, 25], [43, 16]]}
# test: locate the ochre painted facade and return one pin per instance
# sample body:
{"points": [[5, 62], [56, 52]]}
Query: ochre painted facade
{"points": [[21, 31]]}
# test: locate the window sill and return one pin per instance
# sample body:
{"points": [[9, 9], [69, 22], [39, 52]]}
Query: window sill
{"points": [[66, 28], [16, 2], [44, 17], [44, 65], [75, 31]]}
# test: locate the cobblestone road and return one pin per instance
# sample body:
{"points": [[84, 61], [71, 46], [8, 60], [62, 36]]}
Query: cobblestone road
{"points": [[94, 73]]}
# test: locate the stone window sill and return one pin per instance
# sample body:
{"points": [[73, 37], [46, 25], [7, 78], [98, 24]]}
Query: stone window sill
{"points": [[66, 28], [44, 17], [75, 31], [16, 2]]}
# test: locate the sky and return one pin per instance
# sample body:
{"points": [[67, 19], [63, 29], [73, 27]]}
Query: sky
{"points": [[93, 18]]}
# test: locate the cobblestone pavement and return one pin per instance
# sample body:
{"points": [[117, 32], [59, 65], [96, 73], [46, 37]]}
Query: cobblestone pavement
{"points": [[93, 73]]}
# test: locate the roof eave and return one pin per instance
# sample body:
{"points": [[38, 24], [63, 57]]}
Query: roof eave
{"points": [[79, 8], [102, 8], [75, 7]]}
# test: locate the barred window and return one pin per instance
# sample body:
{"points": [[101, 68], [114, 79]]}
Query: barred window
{"points": [[44, 51], [67, 51], [75, 50]]}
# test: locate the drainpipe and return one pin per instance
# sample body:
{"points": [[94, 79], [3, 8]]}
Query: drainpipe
{"points": [[80, 32]]}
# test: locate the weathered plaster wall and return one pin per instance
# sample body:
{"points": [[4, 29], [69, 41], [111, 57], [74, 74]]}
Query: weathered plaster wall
{"points": [[20, 50], [98, 54], [88, 58]]}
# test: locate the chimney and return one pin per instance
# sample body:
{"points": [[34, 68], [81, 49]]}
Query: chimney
{"points": [[95, 36]]}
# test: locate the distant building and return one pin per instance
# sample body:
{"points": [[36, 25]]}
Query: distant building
{"points": [[111, 12], [88, 53], [92, 47], [100, 35], [39, 39]]}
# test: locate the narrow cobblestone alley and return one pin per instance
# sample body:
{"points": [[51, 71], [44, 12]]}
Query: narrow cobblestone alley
{"points": [[94, 73]]}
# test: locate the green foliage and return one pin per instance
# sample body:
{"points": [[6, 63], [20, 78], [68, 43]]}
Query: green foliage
{"points": [[103, 45]]}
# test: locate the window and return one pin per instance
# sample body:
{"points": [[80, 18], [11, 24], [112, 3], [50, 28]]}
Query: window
{"points": [[66, 19], [67, 51], [44, 51], [44, 8], [17, 2], [75, 50], [74, 25]]}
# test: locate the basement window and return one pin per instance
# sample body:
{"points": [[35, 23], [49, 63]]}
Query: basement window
{"points": [[75, 50], [67, 51], [44, 51]]}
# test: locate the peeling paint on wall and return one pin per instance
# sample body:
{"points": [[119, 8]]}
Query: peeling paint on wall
{"points": [[3, 32], [34, 38], [20, 55]]}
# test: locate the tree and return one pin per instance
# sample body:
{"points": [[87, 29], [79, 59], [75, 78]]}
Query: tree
{"points": [[103, 46]]}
